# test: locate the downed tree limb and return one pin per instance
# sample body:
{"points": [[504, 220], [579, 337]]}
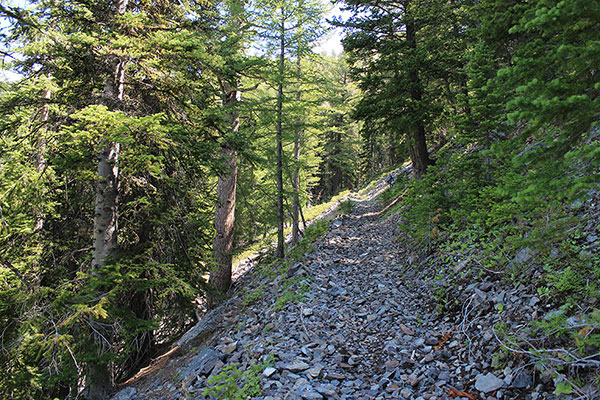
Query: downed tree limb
{"points": [[393, 203]]}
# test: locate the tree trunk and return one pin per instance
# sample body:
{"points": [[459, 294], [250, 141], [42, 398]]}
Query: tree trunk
{"points": [[40, 155], [296, 180], [100, 378], [335, 168], [220, 276], [416, 134], [418, 149], [279, 252], [106, 217]]}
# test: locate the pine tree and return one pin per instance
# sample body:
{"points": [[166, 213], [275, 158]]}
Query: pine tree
{"points": [[398, 56], [109, 317], [282, 25], [230, 81]]}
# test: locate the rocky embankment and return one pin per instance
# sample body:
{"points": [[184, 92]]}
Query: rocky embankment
{"points": [[357, 318]]}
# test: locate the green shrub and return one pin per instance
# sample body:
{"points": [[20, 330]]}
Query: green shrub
{"points": [[312, 233], [235, 384], [255, 295], [294, 292], [346, 206]]}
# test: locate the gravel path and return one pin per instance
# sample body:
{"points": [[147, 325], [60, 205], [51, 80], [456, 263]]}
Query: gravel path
{"points": [[363, 331], [353, 319]]}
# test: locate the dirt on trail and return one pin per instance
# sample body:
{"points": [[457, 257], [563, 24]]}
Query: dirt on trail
{"points": [[353, 319]]}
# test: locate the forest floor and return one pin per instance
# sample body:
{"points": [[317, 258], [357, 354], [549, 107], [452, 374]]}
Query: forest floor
{"points": [[356, 318]]}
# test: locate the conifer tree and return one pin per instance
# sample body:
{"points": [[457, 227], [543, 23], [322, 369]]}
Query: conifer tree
{"points": [[309, 30], [230, 81], [283, 25], [399, 57], [97, 323]]}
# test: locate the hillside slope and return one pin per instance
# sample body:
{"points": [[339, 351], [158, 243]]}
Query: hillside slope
{"points": [[361, 316]]}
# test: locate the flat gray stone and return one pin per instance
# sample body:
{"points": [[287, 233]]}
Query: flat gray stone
{"points": [[310, 395], [297, 366], [522, 380], [315, 371], [488, 383], [327, 390], [524, 255], [125, 394], [202, 363], [337, 291]]}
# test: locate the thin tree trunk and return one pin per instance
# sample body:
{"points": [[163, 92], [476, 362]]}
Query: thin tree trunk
{"points": [[220, 277], [100, 376], [296, 180], [303, 219], [296, 200], [416, 140], [279, 252], [335, 168], [40, 155]]}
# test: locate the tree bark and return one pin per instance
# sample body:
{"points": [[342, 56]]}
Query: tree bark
{"points": [[106, 217], [416, 133], [296, 201], [100, 379], [296, 180], [279, 252], [220, 277]]}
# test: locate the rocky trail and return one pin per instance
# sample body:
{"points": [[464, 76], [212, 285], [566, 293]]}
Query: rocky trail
{"points": [[353, 319]]}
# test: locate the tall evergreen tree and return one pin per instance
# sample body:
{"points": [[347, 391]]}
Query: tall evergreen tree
{"points": [[397, 52], [106, 228], [96, 322], [284, 25], [230, 81]]}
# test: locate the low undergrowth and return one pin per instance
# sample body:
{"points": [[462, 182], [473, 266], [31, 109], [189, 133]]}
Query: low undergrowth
{"points": [[522, 214], [234, 383], [346, 206], [310, 214], [311, 234], [292, 294]]}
